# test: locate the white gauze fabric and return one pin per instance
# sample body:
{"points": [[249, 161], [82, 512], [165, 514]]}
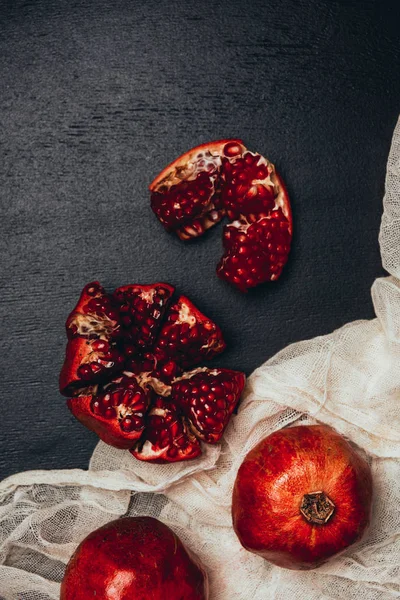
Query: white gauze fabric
{"points": [[349, 379]]}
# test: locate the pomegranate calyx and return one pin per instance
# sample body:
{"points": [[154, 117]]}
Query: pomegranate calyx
{"points": [[317, 508]]}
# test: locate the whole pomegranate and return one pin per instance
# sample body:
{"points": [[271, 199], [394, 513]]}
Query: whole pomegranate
{"points": [[224, 178], [301, 496], [126, 372], [135, 558]]}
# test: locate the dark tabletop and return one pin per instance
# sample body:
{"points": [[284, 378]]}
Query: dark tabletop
{"points": [[96, 97]]}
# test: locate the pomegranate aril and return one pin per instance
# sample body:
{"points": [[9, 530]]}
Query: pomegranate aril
{"points": [[167, 437], [208, 418], [188, 336], [246, 185], [85, 372], [184, 201], [143, 308]]}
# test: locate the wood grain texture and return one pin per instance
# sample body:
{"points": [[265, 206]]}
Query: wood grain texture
{"points": [[97, 96]]}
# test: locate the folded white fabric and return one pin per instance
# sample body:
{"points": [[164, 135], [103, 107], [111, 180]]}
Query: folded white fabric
{"points": [[349, 379]]}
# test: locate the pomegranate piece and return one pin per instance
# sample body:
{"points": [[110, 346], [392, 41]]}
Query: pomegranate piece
{"points": [[301, 496], [188, 336], [248, 187], [208, 397], [142, 309], [88, 361], [92, 330], [126, 354], [241, 184], [167, 437], [134, 557], [116, 412], [94, 316], [255, 251], [185, 197]]}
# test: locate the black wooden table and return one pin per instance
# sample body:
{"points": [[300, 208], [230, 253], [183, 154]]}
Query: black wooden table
{"points": [[97, 96]]}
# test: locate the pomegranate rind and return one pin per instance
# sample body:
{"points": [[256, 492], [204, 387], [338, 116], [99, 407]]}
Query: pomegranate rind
{"points": [[143, 556], [216, 148], [107, 429], [79, 352]]}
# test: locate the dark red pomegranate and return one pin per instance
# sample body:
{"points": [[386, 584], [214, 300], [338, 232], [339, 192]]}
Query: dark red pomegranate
{"points": [[224, 178], [208, 398], [124, 370], [301, 496], [136, 558]]}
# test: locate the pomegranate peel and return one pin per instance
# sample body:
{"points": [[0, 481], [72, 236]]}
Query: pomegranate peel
{"points": [[122, 377], [195, 191], [134, 557], [301, 496]]}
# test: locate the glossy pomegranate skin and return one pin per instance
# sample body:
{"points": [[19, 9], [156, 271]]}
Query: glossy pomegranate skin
{"points": [[224, 178], [134, 558], [278, 474]]}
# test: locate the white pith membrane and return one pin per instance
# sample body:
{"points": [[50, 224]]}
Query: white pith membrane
{"points": [[122, 410], [349, 379], [148, 295], [193, 165], [88, 324], [185, 315], [193, 372]]}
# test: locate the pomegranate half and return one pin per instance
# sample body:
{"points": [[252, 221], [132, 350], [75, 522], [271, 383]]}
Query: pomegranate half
{"points": [[221, 178], [136, 558], [301, 496], [128, 372]]}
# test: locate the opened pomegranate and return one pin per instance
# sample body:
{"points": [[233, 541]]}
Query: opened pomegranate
{"points": [[124, 371], [224, 178], [136, 558], [301, 496]]}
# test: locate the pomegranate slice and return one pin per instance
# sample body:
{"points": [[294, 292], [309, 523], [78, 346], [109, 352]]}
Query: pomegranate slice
{"points": [[188, 336], [167, 437], [255, 251], [196, 190], [92, 330], [208, 398], [186, 195], [87, 362], [116, 412], [142, 309], [94, 316], [127, 352]]}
